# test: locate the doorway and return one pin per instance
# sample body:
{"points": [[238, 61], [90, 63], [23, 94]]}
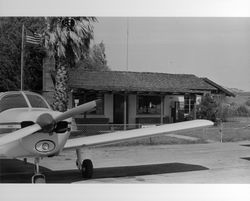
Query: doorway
{"points": [[119, 109]]}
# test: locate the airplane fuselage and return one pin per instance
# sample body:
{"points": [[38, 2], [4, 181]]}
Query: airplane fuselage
{"points": [[39, 144]]}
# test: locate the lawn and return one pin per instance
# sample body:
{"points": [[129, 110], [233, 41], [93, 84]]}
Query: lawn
{"points": [[237, 129]]}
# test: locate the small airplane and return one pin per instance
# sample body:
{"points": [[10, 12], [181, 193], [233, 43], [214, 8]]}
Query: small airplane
{"points": [[30, 128]]}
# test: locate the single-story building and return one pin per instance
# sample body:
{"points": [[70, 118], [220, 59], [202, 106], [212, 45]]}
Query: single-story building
{"points": [[132, 98]]}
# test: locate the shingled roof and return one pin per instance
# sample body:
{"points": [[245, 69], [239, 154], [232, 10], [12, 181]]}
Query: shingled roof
{"points": [[220, 89], [137, 81]]}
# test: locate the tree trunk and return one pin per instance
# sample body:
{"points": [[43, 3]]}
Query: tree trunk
{"points": [[61, 87]]}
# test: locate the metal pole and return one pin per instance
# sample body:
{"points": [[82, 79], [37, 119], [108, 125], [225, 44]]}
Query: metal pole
{"points": [[127, 42], [221, 131], [22, 55]]}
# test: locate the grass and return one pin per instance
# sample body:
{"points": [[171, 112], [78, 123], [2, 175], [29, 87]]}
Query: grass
{"points": [[236, 129]]}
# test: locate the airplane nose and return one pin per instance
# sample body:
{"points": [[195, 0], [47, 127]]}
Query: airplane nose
{"points": [[46, 121]]}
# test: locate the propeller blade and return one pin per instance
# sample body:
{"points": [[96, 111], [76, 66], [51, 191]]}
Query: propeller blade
{"points": [[77, 110], [21, 133]]}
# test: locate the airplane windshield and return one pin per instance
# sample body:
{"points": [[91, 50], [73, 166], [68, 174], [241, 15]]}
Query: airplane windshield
{"points": [[12, 101], [36, 101]]}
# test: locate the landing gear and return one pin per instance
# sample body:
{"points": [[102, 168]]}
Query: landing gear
{"points": [[38, 177], [87, 169], [85, 166]]}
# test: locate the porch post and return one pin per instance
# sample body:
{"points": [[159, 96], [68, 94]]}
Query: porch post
{"points": [[195, 107], [162, 109], [125, 112]]}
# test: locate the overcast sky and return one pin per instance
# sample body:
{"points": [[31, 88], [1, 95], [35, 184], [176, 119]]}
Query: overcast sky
{"points": [[217, 48]]}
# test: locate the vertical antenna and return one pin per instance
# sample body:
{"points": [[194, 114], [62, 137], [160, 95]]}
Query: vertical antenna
{"points": [[127, 42]]}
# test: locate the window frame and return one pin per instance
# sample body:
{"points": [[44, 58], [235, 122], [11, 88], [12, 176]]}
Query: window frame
{"points": [[40, 97], [189, 101], [16, 94], [157, 113]]}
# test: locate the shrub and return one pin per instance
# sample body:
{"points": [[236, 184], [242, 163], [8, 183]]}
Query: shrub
{"points": [[208, 108], [242, 111], [225, 111], [248, 102]]}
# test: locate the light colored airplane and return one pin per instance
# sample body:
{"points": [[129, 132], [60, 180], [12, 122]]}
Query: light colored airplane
{"points": [[30, 128]]}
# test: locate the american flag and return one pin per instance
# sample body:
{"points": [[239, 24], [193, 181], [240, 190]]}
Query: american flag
{"points": [[33, 38]]}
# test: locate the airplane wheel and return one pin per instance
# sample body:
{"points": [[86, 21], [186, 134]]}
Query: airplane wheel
{"points": [[38, 179], [87, 169]]}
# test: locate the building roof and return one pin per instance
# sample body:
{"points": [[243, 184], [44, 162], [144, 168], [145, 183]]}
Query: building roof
{"points": [[137, 81], [220, 89]]}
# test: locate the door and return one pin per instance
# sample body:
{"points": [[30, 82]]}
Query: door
{"points": [[177, 112], [119, 109]]}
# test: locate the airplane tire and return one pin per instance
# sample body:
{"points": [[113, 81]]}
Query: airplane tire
{"points": [[87, 169], [38, 179]]}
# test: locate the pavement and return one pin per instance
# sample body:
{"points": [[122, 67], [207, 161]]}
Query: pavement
{"points": [[216, 163]]}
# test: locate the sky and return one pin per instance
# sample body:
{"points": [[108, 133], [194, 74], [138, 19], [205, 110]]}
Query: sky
{"points": [[213, 47]]}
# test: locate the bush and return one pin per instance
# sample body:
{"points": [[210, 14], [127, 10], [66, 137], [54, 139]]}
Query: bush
{"points": [[225, 111], [248, 102], [208, 108], [242, 111]]}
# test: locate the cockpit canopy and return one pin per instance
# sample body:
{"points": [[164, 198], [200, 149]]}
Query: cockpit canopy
{"points": [[21, 99]]}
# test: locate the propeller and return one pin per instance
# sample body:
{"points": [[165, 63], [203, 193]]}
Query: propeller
{"points": [[77, 110], [21, 133], [46, 122]]}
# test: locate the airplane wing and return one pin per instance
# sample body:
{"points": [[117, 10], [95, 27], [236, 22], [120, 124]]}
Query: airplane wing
{"points": [[120, 136]]}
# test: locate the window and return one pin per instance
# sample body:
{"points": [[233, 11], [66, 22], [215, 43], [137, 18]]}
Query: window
{"points": [[36, 101], [12, 101], [189, 101], [87, 97], [148, 104]]}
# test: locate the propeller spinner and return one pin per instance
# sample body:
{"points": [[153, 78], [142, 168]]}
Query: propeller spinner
{"points": [[47, 123]]}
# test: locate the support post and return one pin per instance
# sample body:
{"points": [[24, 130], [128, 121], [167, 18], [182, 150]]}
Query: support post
{"points": [[195, 108], [79, 158], [162, 108], [37, 160], [125, 112]]}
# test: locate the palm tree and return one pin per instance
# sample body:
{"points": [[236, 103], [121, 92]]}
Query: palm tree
{"points": [[67, 39]]}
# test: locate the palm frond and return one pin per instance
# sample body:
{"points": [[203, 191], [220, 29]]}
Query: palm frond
{"points": [[60, 49], [71, 42], [75, 38], [63, 36]]}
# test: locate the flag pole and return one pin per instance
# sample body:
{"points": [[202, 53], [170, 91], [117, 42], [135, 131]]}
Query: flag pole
{"points": [[22, 57]]}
